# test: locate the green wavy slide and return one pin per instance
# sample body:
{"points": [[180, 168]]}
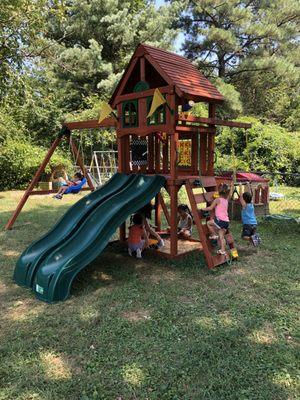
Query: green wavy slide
{"points": [[50, 264]]}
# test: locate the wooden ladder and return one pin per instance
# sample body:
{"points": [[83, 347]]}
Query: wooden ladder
{"points": [[209, 184]]}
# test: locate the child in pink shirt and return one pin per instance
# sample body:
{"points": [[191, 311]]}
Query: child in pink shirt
{"points": [[220, 223]]}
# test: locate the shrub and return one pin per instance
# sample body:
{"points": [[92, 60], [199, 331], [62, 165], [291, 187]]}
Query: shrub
{"points": [[20, 160], [264, 147]]}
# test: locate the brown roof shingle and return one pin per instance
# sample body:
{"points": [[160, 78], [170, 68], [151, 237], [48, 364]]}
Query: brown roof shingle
{"points": [[177, 71], [183, 74]]}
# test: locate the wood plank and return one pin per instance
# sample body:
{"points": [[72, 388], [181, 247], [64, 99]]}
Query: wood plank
{"points": [[206, 197], [164, 208], [53, 191], [142, 69], [140, 131], [208, 181], [124, 80], [199, 198], [110, 122], [151, 153], [211, 142], [194, 129], [173, 220], [157, 155], [214, 121], [169, 89]]}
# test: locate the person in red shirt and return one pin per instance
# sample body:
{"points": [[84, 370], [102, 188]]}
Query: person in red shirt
{"points": [[138, 238]]}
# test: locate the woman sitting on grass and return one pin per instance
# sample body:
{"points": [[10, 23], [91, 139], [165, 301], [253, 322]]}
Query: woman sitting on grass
{"points": [[78, 178]]}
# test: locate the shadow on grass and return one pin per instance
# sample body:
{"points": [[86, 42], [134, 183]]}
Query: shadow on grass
{"points": [[181, 351], [151, 328]]}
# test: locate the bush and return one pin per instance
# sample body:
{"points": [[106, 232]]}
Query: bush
{"points": [[20, 160], [264, 147]]}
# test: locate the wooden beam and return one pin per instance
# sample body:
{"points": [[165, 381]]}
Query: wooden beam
{"points": [[32, 184], [52, 191], [195, 129], [124, 80], [142, 69], [215, 121], [110, 122], [145, 93], [141, 131], [211, 142], [157, 213], [164, 208], [173, 221]]}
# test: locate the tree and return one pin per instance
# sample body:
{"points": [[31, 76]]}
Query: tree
{"points": [[99, 38], [22, 25], [232, 37]]}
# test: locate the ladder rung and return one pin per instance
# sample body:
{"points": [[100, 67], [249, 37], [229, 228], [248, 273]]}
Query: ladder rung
{"points": [[207, 197], [208, 181]]}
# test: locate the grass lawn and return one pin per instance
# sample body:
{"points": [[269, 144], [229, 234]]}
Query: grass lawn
{"points": [[151, 328]]}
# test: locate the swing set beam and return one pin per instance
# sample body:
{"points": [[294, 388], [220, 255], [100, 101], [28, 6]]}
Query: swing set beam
{"points": [[65, 132]]}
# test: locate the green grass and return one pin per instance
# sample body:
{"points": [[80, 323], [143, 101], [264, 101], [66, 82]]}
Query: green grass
{"points": [[290, 204], [151, 328]]}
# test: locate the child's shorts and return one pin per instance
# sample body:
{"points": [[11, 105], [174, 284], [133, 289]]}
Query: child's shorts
{"points": [[248, 230], [136, 246], [221, 224]]}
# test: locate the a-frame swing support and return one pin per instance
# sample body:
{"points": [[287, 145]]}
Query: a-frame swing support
{"points": [[64, 133]]}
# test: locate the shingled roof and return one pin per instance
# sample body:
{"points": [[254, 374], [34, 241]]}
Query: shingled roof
{"points": [[177, 71]]}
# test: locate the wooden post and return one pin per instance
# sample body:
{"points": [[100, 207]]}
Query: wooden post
{"points": [[157, 155], [203, 153], [32, 184], [195, 168], [173, 220], [166, 156], [78, 158], [173, 155], [157, 213], [150, 153], [211, 141], [164, 208], [142, 69]]}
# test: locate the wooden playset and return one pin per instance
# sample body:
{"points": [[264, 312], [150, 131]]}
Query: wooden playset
{"points": [[156, 135]]}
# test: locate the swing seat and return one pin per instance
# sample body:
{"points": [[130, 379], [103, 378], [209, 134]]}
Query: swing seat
{"points": [[76, 188]]}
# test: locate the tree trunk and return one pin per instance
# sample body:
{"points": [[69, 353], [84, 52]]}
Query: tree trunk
{"points": [[221, 67]]}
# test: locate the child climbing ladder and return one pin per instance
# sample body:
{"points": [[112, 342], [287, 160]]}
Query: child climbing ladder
{"points": [[209, 184]]}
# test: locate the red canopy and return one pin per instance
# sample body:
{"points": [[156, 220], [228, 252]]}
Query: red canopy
{"points": [[243, 177]]}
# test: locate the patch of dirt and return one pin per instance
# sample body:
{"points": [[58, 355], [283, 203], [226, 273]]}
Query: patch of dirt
{"points": [[55, 366], [136, 316], [264, 335], [186, 300]]}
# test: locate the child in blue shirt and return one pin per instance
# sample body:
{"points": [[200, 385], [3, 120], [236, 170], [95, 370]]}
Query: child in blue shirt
{"points": [[248, 218]]}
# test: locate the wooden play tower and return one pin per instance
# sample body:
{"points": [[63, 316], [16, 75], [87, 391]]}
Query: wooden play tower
{"points": [[171, 142]]}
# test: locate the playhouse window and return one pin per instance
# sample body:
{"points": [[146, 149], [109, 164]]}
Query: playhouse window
{"points": [[159, 116], [130, 114]]}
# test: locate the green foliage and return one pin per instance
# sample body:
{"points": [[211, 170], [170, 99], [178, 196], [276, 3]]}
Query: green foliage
{"points": [[264, 147], [20, 160], [95, 41], [253, 45], [22, 24]]}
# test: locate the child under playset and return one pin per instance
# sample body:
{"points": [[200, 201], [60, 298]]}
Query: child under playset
{"points": [[160, 146]]}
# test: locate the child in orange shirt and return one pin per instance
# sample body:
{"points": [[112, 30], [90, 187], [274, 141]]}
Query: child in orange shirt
{"points": [[138, 238]]}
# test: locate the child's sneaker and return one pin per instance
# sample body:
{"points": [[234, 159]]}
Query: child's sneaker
{"points": [[130, 252], [213, 237], [139, 253], [160, 244], [256, 240], [57, 197]]}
